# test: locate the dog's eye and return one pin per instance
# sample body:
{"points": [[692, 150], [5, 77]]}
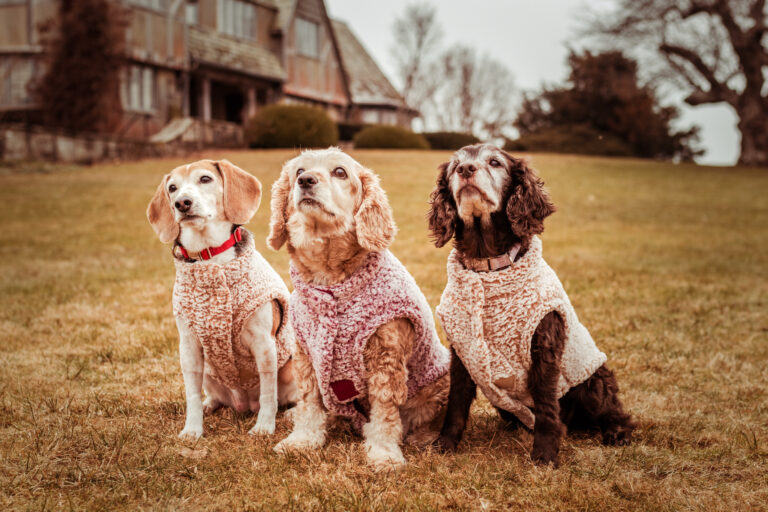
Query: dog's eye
{"points": [[299, 171], [494, 163], [172, 188], [339, 173], [205, 179]]}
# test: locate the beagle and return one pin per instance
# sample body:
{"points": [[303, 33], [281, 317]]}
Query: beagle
{"points": [[230, 305]]}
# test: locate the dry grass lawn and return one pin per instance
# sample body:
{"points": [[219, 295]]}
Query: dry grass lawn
{"points": [[667, 266]]}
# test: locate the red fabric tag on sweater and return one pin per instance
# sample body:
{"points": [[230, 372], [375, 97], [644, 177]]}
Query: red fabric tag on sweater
{"points": [[344, 390]]}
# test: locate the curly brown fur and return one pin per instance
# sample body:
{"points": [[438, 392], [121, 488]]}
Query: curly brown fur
{"points": [[526, 205], [594, 405], [510, 210], [460, 397], [546, 353]]}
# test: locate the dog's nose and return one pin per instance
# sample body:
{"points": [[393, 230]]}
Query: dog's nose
{"points": [[466, 170], [307, 181], [183, 204]]}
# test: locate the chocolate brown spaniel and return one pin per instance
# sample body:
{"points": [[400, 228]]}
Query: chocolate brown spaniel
{"points": [[512, 328]]}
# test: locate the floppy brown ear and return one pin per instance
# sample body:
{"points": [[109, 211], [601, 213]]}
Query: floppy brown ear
{"points": [[242, 192], [160, 215], [529, 203], [442, 209], [281, 190], [374, 222]]}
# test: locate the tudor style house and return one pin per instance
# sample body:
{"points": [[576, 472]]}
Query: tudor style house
{"points": [[216, 61]]}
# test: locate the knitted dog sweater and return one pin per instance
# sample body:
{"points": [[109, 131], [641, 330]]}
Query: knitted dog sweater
{"points": [[333, 325], [490, 318], [216, 301]]}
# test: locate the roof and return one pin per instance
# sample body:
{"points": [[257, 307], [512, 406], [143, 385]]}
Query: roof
{"points": [[367, 83], [216, 49]]}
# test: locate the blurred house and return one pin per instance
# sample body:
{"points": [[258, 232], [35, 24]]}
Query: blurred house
{"points": [[215, 61]]}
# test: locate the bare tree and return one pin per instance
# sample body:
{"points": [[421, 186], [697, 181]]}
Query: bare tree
{"points": [[717, 50], [417, 45], [476, 95]]}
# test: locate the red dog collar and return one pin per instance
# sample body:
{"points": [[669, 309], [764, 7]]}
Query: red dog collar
{"points": [[210, 252]]}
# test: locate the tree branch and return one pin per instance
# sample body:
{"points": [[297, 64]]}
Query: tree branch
{"points": [[701, 97], [717, 91], [723, 10], [757, 12]]}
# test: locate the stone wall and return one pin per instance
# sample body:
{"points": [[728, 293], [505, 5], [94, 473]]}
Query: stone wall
{"points": [[19, 142]]}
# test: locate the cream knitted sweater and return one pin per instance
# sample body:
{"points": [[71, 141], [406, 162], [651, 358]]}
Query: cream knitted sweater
{"points": [[217, 300], [490, 317]]}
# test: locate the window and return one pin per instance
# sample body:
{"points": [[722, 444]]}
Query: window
{"points": [[371, 116], [138, 88], [158, 5], [306, 38], [191, 12], [388, 117], [236, 18], [15, 75]]}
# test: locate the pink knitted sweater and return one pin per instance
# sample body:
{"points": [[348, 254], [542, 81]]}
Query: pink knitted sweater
{"points": [[334, 323], [490, 317], [217, 300]]}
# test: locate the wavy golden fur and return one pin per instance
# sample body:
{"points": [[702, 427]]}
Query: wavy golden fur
{"points": [[331, 212]]}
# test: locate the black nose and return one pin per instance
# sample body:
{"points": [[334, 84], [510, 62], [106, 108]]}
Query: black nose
{"points": [[183, 204], [466, 170], [307, 181]]}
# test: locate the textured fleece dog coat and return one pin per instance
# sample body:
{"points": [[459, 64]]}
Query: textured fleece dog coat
{"points": [[490, 318], [217, 300], [334, 323]]}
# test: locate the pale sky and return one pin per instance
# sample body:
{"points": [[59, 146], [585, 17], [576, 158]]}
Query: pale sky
{"points": [[530, 37]]}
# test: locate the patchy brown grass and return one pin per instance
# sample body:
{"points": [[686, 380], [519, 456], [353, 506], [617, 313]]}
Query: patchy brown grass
{"points": [[667, 265]]}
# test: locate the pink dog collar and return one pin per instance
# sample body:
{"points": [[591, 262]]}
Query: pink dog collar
{"points": [[491, 264]]}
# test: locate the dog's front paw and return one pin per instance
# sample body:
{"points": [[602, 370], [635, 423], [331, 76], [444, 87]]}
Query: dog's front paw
{"points": [[618, 436], [289, 414], [191, 433], [446, 443], [265, 425], [544, 455], [210, 405], [385, 458], [300, 441]]}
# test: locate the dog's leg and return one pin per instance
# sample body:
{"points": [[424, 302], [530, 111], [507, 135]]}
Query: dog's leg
{"points": [[287, 390], [460, 397], [309, 417], [386, 356], [216, 395], [191, 358], [257, 334], [509, 420], [546, 353]]}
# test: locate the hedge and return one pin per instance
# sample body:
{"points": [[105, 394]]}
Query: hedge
{"points": [[291, 126], [450, 140], [577, 139], [389, 137]]}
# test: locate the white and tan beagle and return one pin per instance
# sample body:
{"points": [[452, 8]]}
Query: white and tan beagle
{"points": [[230, 306]]}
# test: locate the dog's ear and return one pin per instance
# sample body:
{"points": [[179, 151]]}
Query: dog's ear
{"points": [[442, 209], [528, 204], [281, 191], [374, 222], [160, 214], [242, 192]]}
